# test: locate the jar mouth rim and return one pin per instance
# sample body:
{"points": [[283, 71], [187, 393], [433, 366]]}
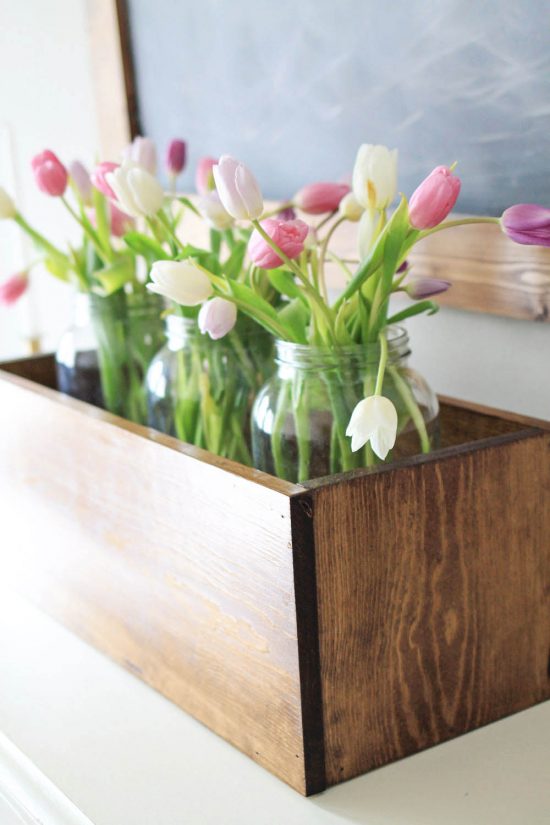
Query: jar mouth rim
{"points": [[396, 336]]}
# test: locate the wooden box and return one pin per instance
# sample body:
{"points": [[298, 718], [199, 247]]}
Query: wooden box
{"points": [[323, 629]]}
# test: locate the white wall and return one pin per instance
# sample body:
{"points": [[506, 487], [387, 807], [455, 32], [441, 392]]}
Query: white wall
{"points": [[45, 103]]}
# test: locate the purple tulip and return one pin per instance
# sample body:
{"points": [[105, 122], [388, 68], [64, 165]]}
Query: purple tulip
{"points": [[176, 155], [527, 223], [426, 287]]}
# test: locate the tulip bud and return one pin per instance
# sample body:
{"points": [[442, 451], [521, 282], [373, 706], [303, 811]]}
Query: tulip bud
{"points": [[374, 419], [80, 179], [7, 206], [49, 173], [211, 208], [350, 208], [180, 281], [98, 178], [289, 236], [421, 288], [137, 192], [217, 317], [238, 189], [432, 201], [319, 198], [142, 152], [527, 223], [375, 176], [287, 214], [176, 155], [204, 178], [13, 288]]}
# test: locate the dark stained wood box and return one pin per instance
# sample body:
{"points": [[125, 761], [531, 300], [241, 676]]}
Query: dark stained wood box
{"points": [[323, 629]]}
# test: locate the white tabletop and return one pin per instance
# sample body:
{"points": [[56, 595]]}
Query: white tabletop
{"points": [[124, 755]]}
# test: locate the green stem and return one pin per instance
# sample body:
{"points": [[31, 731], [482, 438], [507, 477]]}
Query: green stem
{"points": [[412, 408], [458, 222], [323, 255], [301, 424], [381, 364], [281, 411], [169, 231], [106, 255]]}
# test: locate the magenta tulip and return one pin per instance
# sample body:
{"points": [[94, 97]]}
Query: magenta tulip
{"points": [[99, 180], [204, 177], [319, 198], [49, 173], [13, 288], [420, 288], [527, 223], [176, 155], [432, 201], [289, 236]]}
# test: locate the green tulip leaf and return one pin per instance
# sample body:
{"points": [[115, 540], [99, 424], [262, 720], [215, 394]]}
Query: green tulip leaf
{"points": [[295, 317], [422, 306], [284, 282], [113, 277], [145, 246]]}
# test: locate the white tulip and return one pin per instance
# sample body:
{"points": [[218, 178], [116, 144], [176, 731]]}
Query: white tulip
{"points": [[212, 209], [138, 193], [7, 206], [143, 152], [217, 317], [238, 188], [350, 208], [375, 176], [374, 419], [180, 281], [367, 232]]}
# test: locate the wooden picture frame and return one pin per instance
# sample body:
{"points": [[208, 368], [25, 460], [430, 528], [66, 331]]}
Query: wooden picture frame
{"points": [[489, 273]]}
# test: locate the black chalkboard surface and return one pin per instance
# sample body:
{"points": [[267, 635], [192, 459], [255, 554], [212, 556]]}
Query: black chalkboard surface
{"points": [[292, 87]]}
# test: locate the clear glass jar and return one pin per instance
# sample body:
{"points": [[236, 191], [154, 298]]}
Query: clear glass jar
{"points": [[300, 416], [202, 390], [76, 359], [129, 331]]}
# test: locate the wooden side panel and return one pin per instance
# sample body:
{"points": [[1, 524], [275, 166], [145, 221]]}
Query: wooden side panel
{"points": [[434, 599], [179, 569]]}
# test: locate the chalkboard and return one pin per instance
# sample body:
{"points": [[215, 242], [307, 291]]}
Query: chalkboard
{"points": [[292, 87]]}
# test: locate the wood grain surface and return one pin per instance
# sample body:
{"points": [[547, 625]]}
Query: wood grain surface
{"points": [[177, 567], [433, 595]]}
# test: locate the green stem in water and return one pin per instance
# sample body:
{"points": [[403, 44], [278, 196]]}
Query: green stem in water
{"points": [[277, 432], [412, 408]]}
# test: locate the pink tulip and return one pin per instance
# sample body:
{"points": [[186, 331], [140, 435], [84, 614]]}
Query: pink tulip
{"points": [[204, 178], [432, 201], [176, 155], [217, 317], [420, 288], [527, 223], [318, 198], [81, 180], [99, 178], [13, 288], [289, 236], [121, 223], [49, 173], [143, 152]]}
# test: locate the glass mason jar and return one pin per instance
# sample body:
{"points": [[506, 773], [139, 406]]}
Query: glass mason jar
{"points": [[76, 361], [129, 332], [202, 390], [300, 416]]}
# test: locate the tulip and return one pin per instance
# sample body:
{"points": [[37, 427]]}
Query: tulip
{"points": [[368, 232], [350, 208], [374, 419], [121, 223], [421, 288], [211, 208], [143, 152], [137, 192], [13, 288], [432, 201], [80, 178], [204, 178], [98, 177], [527, 223], [319, 198], [287, 214], [375, 176], [238, 189], [49, 173], [289, 236], [217, 317], [7, 206], [176, 155], [180, 281]]}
